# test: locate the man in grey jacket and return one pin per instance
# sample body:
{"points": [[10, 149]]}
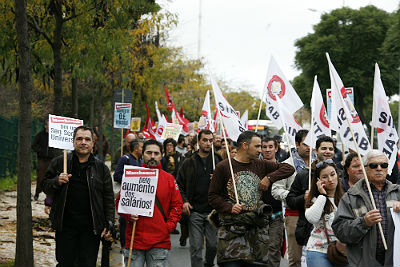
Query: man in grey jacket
{"points": [[356, 221]]}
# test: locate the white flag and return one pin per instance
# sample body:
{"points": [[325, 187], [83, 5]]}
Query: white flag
{"points": [[205, 116], [245, 119], [230, 119], [320, 118], [277, 86], [158, 113], [342, 112], [382, 120], [291, 126], [160, 128]]}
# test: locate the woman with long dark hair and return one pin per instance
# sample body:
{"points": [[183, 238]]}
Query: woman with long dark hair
{"points": [[321, 205]]}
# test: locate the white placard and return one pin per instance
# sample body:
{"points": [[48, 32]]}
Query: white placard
{"points": [[138, 191], [122, 115], [61, 130], [171, 131]]}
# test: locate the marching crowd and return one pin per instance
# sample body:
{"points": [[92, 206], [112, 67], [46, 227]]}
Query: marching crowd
{"points": [[237, 200]]}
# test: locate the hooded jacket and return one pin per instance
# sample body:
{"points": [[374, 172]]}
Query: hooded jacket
{"points": [[350, 228], [154, 231]]}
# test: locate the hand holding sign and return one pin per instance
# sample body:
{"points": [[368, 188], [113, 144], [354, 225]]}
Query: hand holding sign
{"points": [[64, 178]]}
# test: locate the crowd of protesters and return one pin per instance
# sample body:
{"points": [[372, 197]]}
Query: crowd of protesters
{"points": [[240, 200]]}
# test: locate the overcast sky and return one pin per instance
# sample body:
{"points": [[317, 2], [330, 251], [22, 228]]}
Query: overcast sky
{"points": [[238, 37]]}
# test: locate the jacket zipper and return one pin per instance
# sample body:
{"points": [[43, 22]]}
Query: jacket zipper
{"points": [[90, 200]]}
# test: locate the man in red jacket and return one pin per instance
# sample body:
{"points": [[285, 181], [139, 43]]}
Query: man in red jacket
{"points": [[151, 241]]}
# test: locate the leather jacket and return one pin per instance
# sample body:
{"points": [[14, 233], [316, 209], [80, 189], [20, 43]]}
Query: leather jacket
{"points": [[100, 189]]}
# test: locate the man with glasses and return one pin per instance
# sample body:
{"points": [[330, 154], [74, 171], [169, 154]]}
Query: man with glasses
{"points": [[356, 221]]}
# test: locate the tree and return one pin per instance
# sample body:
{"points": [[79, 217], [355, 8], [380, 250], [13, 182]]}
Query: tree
{"points": [[353, 39], [24, 244]]}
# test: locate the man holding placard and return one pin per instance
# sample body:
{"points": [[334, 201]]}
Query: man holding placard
{"points": [[83, 202], [243, 233], [150, 230]]}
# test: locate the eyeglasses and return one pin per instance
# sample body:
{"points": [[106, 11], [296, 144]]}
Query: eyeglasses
{"points": [[383, 165], [319, 164]]}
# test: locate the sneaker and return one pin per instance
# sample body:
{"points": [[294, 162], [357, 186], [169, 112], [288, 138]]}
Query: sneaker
{"points": [[182, 243]]}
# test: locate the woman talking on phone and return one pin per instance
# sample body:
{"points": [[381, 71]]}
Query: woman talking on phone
{"points": [[321, 206]]}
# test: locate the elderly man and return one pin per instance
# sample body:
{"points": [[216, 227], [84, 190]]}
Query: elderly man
{"points": [[352, 171], [356, 221]]}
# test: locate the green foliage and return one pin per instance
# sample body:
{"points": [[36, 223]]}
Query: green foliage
{"points": [[353, 39], [8, 183]]}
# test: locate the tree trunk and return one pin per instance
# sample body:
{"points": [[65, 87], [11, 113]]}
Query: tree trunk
{"points": [[100, 123], [24, 240], [57, 44], [92, 102], [74, 92]]}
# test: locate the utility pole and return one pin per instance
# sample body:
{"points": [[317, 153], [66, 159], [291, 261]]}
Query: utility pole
{"points": [[199, 31]]}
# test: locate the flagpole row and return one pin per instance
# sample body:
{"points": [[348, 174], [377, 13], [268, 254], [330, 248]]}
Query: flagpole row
{"points": [[367, 182], [229, 157]]}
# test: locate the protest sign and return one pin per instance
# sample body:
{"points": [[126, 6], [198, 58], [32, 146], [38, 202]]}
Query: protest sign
{"points": [[122, 115], [138, 191], [171, 131], [135, 124], [61, 130]]}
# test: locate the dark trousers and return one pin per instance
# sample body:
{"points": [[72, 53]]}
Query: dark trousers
{"points": [[76, 247], [122, 228], [42, 166]]}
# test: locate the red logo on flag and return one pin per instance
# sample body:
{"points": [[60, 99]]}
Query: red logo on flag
{"points": [[322, 116], [350, 105], [276, 86]]}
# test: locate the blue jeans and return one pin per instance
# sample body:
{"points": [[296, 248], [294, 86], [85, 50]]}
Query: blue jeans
{"points": [[317, 259], [154, 257]]}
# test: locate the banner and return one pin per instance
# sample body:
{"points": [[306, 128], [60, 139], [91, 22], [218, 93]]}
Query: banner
{"points": [[171, 131], [320, 121], [204, 121], [343, 111], [61, 131], [233, 124], [277, 86], [122, 115], [135, 124], [382, 120], [138, 191]]}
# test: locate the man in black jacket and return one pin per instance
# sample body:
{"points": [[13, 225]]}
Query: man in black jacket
{"points": [[83, 202], [299, 189], [193, 181]]}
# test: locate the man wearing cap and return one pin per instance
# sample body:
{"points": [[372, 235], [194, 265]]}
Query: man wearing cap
{"points": [[281, 155]]}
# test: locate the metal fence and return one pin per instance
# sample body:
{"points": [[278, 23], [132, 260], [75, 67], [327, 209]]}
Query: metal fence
{"points": [[9, 145]]}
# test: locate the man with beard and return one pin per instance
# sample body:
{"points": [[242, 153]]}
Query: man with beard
{"points": [[83, 202], [242, 232], [193, 180], [152, 243]]}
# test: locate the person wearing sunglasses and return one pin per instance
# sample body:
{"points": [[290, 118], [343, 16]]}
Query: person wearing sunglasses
{"points": [[321, 205], [356, 222]]}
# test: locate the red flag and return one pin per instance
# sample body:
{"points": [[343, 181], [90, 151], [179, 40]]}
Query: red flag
{"points": [[170, 104], [181, 112], [148, 125]]}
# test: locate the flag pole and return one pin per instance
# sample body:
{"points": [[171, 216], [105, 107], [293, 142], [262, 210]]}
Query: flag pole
{"points": [[283, 125], [229, 156], [311, 147], [372, 136], [362, 166], [131, 245], [212, 144]]}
